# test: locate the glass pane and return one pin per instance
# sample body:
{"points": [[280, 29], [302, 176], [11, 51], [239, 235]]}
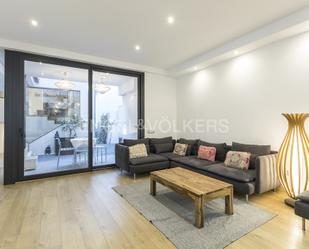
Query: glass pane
{"points": [[114, 114], [56, 115]]}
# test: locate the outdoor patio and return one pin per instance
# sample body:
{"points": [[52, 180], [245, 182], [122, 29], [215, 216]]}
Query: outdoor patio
{"points": [[48, 163]]}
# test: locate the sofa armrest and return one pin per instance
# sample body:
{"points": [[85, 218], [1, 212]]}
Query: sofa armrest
{"points": [[266, 173], [122, 157]]}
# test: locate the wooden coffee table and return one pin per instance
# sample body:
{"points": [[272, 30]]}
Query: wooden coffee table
{"points": [[198, 187]]}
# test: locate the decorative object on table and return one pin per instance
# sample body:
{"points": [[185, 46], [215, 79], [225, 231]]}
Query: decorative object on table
{"points": [[293, 157], [103, 128], [48, 150], [180, 149], [173, 214], [70, 125]]}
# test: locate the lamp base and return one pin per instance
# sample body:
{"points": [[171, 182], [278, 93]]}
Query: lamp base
{"points": [[290, 202]]}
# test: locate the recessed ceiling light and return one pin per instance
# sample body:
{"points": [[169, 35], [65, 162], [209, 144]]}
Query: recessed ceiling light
{"points": [[34, 23], [137, 47], [195, 68], [236, 52], [170, 20]]}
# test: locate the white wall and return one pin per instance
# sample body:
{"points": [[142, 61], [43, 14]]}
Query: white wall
{"points": [[250, 91], [160, 105]]}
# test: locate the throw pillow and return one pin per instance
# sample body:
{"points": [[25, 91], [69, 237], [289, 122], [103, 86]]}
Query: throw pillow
{"points": [[207, 153], [255, 150], [220, 149], [180, 149], [131, 142], [163, 140], [259, 150], [137, 151], [192, 145], [162, 148], [238, 159]]}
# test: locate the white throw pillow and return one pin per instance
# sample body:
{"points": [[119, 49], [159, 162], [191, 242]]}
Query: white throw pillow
{"points": [[180, 149], [138, 150]]}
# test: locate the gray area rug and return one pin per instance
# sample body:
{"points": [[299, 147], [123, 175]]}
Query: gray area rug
{"points": [[173, 215]]}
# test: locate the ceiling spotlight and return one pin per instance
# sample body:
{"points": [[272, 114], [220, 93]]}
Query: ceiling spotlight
{"points": [[34, 23], [170, 20], [137, 47], [195, 68], [236, 52]]}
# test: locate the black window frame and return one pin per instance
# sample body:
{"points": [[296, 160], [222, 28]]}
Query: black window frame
{"points": [[14, 111]]}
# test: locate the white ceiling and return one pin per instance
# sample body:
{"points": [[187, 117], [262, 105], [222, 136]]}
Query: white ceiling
{"points": [[111, 28]]}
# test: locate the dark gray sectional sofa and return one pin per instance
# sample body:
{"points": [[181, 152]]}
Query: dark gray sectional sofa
{"points": [[260, 177]]}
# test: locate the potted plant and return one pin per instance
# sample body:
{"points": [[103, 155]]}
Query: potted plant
{"points": [[72, 124]]}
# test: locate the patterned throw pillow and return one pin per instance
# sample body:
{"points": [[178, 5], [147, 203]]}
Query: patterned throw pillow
{"points": [[138, 150], [207, 153], [238, 159], [180, 149]]}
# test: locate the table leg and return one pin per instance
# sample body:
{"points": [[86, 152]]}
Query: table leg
{"points": [[199, 212], [229, 203], [153, 187]]}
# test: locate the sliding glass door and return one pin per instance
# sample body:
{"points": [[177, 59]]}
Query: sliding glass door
{"points": [[64, 117], [115, 113], [55, 118]]}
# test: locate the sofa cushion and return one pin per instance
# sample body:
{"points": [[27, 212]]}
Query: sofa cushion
{"points": [[302, 209], [237, 159], [137, 151], [170, 155], [207, 153], [180, 149], [193, 145], [221, 149], [232, 173], [193, 162], [162, 148], [304, 196], [148, 167], [131, 142], [259, 150], [153, 141], [151, 158], [255, 150]]}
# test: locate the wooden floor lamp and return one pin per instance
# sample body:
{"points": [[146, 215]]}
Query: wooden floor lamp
{"points": [[293, 157]]}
